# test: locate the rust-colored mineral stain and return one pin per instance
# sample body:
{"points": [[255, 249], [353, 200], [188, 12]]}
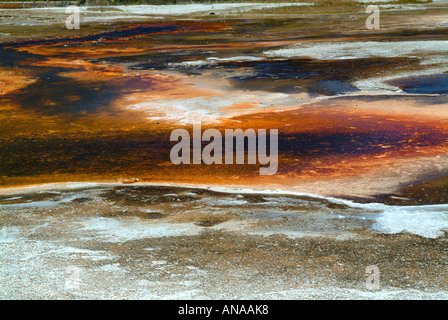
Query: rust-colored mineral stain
{"points": [[12, 80], [312, 146], [241, 106], [67, 117]]}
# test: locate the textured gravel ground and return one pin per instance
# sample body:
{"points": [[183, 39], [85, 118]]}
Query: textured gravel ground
{"points": [[193, 244]]}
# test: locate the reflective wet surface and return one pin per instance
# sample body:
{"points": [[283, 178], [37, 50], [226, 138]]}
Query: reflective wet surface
{"points": [[102, 106]]}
